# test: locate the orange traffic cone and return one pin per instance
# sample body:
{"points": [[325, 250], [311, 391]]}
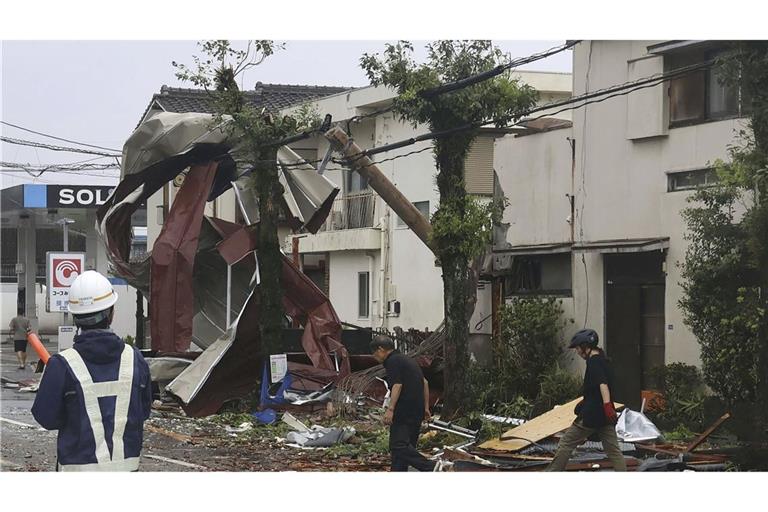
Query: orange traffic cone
{"points": [[38, 347]]}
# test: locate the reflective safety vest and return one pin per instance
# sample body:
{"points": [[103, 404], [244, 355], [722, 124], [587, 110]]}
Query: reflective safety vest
{"points": [[92, 391]]}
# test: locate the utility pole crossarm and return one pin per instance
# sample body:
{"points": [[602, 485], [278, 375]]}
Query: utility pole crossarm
{"points": [[379, 182]]}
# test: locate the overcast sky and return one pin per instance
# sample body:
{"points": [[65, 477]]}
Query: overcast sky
{"points": [[96, 91]]}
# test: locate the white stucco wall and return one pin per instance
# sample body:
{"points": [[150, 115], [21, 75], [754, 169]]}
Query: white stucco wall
{"points": [[620, 181], [345, 266]]}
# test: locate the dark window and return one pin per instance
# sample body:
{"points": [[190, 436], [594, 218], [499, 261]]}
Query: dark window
{"points": [[315, 267], [545, 274], [689, 180], [700, 96], [422, 206], [363, 294]]}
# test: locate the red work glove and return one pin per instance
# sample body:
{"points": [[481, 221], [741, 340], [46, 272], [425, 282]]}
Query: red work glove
{"points": [[610, 412]]}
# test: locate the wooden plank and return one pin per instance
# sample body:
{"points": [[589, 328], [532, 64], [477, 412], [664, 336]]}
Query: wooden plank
{"points": [[173, 435], [696, 442], [538, 428]]}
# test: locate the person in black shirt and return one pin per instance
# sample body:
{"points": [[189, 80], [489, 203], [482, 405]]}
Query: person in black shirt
{"points": [[408, 405], [595, 414]]}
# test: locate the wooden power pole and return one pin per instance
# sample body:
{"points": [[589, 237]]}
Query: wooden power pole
{"points": [[378, 182]]}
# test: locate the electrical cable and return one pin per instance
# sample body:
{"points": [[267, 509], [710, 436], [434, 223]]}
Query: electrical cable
{"points": [[58, 138], [480, 77], [41, 145], [585, 98], [584, 186]]}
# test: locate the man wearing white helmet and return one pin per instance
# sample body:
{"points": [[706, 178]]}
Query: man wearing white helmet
{"points": [[98, 393]]}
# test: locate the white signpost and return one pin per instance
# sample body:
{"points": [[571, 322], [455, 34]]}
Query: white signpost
{"points": [[278, 367], [66, 336], [61, 270]]}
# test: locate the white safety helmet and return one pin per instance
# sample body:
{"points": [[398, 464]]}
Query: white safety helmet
{"points": [[90, 293]]}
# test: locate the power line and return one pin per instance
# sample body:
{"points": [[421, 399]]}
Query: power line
{"points": [[58, 138], [571, 103], [585, 99], [59, 167], [480, 77], [22, 142]]}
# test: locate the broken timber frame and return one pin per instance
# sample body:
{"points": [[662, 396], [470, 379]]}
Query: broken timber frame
{"points": [[379, 183]]}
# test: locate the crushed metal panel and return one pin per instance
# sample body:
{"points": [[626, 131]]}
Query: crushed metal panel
{"points": [[166, 368], [228, 368], [166, 135], [171, 302], [308, 195], [225, 370]]}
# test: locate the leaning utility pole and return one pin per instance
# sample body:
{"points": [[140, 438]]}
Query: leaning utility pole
{"points": [[379, 183]]}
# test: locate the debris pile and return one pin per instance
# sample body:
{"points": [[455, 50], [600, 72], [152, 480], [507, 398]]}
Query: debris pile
{"points": [[531, 445]]}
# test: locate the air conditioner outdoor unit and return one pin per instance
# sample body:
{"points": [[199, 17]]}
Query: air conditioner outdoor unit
{"points": [[393, 308]]}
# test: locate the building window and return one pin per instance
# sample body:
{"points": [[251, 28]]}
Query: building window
{"points": [[699, 97], [689, 180], [363, 294], [356, 182], [422, 206], [544, 274], [478, 167]]}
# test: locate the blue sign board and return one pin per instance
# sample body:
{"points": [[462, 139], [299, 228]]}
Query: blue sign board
{"points": [[35, 196]]}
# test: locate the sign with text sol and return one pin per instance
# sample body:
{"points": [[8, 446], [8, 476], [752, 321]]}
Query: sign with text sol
{"points": [[61, 270]]}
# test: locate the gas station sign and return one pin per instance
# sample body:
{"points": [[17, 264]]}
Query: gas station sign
{"points": [[61, 270]]}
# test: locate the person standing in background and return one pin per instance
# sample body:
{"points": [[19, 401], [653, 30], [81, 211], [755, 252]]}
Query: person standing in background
{"points": [[20, 327]]}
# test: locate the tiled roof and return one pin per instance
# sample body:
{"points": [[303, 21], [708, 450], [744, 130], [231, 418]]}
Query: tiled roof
{"points": [[272, 96]]}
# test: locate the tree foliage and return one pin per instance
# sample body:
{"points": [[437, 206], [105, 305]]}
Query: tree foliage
{"points": [[528, 343], [460, 225], [525, 361], [720, 301], [726, 264]]}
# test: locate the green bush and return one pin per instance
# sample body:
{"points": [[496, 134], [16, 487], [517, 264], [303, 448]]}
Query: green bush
{"points": [[558, 386], [683, 389], [524, 369], [528, 343]]}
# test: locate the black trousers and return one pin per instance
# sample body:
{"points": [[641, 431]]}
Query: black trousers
{"points": [[403, 437]]}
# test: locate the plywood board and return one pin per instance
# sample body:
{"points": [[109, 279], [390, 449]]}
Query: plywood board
{"points": [[535, 430], [540, 427]]}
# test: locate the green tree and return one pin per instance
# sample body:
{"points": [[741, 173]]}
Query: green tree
{"points": [[728, 256], [253, 134], [460, 225], [720, 301]]}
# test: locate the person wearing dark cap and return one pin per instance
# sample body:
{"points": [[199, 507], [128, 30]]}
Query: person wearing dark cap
{"points": [[595, 414], [408, 405]]}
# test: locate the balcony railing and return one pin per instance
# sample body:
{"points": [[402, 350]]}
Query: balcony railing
{"points": [[351, 212]]}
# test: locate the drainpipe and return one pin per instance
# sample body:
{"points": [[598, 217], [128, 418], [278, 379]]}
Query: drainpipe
{"points": [[371, 273], [571, 199], [384, 257]]}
